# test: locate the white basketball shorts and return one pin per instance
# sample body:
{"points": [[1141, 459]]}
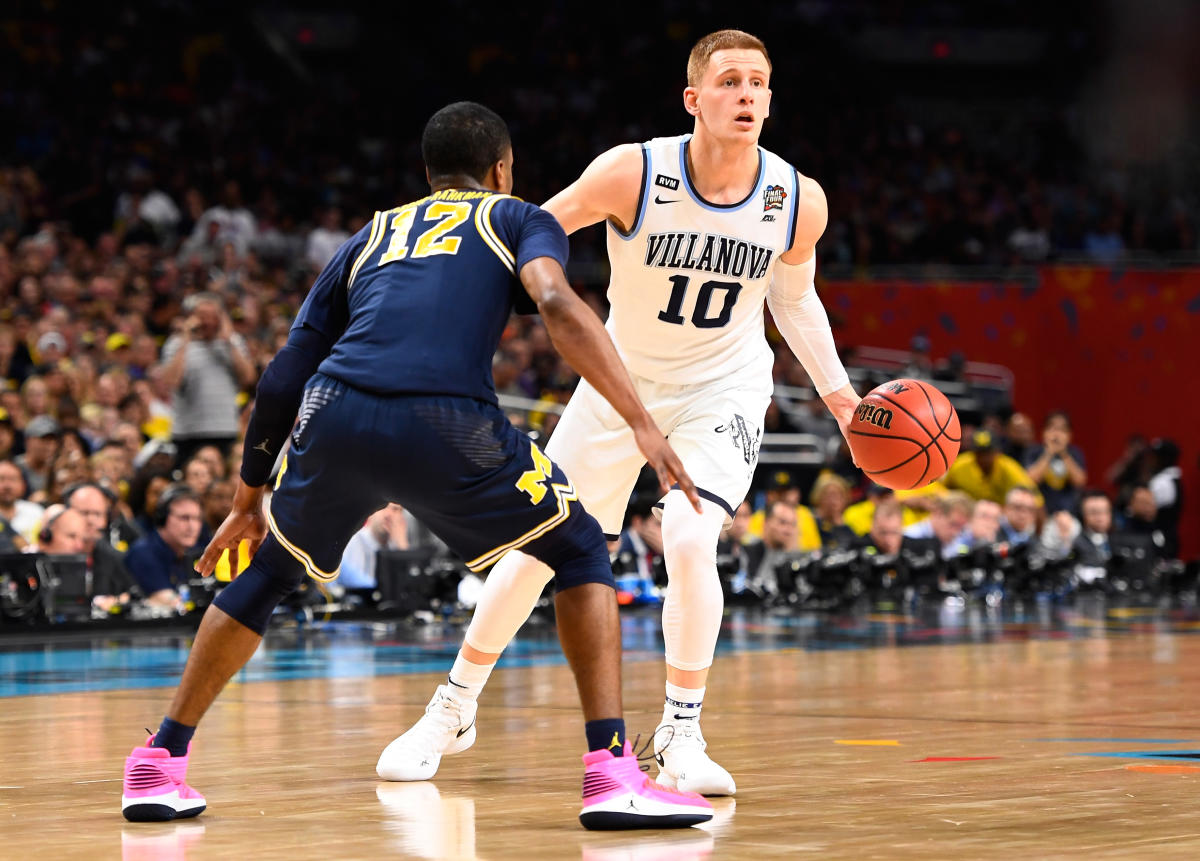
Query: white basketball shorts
{"points": [[715, 428]]}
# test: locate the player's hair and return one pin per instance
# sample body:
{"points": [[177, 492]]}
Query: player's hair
{"points": [[463, 139], [722, 40]]}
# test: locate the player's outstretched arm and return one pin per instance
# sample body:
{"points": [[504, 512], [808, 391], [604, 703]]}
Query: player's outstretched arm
{"points": [[798, 312], [580, 338], [607, 188]]}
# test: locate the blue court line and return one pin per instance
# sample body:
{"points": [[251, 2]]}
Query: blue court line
{"points": [[1120, 740]]}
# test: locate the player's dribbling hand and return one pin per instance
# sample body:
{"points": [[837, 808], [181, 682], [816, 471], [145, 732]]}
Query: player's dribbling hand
{"points": [[245, 521], [666, 464]]}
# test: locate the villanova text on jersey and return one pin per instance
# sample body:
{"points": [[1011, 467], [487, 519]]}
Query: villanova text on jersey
{"points": [[395, 295], [705, 252]]}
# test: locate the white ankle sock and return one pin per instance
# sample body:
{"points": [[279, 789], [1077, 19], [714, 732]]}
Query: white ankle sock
{"points": [[466, 679], [683, 703]]}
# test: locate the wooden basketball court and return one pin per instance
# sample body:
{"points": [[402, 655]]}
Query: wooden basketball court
{"points": [[1079, 744]]}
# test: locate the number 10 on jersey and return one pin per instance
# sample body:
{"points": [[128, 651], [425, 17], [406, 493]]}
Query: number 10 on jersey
{"points": [[702, 318]]}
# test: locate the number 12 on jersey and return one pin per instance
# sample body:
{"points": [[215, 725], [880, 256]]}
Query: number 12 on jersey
{"points": [[433, 241], [701, 312]]}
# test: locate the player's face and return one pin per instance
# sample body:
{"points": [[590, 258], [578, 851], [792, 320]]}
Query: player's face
{"points": [[734, 98]]}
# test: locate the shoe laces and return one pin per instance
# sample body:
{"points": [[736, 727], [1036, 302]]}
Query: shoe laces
{"points": [[681, 735], [442, 715]]}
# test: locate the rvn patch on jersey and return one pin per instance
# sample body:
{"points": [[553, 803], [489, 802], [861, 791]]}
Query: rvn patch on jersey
{"points": [[668, 182]]}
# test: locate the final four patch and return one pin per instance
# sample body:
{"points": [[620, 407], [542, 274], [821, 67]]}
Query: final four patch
{"points": [[773, 196]]}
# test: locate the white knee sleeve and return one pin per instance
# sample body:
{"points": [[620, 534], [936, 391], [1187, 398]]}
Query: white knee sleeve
{"points": [[692, 612], [509, 594]]}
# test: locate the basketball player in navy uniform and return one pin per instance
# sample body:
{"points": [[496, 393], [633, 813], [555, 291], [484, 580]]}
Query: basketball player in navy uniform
{"points": [[701, 229], [389, 366]]}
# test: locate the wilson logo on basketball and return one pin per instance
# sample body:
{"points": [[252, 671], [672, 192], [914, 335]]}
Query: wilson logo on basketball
{"points": [[873, 415]]}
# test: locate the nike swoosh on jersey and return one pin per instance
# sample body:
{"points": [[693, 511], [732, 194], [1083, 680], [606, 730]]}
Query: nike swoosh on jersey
{"points": [[658, 199]]}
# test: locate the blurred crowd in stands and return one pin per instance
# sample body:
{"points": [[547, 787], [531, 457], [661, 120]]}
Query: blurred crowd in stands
{"points": [[168, 191]]}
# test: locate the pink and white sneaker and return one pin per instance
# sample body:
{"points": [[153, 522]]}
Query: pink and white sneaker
{"points": [[155, 790], [618, 796]]}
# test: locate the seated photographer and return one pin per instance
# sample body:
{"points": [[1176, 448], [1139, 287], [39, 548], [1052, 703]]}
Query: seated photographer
{"points": [[1059, 534], [640, 546], [887, 529], [830, 496], [779, 537], [1141, 518], [1018, 524], [983, 529], [62, 531], [111, 581], [732, 556], [783, 488], [161, 562], [947, 519], [386, 529], [1092, 548]]}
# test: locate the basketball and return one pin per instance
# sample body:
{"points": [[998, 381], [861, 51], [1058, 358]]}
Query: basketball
{"points": [[904, 434]]}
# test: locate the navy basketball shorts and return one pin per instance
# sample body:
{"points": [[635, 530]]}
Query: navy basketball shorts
{"points": [[456, 463]]}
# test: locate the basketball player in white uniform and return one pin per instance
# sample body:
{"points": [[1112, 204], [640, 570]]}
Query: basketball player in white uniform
{"points": [[702, 229]]}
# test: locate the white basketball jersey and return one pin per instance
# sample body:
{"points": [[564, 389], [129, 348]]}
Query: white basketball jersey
{"points": [[689, 281]]}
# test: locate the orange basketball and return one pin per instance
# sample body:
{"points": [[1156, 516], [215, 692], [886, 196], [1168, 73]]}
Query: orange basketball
{"points": [[904, 434]]}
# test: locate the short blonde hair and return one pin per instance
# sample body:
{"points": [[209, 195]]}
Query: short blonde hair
{"points": [[722, 40]]}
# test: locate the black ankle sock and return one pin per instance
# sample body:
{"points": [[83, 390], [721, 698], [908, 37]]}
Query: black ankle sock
{"points": [[607, 734], [173, 736]]}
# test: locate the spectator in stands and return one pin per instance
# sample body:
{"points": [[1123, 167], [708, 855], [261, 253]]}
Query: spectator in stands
{"points": [[218, 501], [8, 435], [947, 519], [198, 475], [985, 473], [384, 530], [860, 515], [41, 442], [325, 239], [1018, 524], [1167, 486], [1057, 466], [161, 562], [206, 363], [23, 516], [1018, 438], [111, 581], [830, 496], [62, 531]]}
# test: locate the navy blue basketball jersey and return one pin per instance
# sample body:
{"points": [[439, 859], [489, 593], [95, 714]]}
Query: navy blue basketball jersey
{"points": [[417, 299]]}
